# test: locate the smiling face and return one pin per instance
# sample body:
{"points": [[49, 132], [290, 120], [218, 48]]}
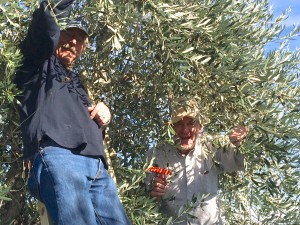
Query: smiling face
{"points": [[71, 45], [186, 130]]}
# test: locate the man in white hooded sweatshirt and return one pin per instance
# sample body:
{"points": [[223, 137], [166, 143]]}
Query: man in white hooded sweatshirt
{"points": [[195, 165]]}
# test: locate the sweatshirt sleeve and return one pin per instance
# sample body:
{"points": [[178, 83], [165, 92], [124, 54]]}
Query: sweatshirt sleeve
{"points": [[43, 33], [230, 159]]}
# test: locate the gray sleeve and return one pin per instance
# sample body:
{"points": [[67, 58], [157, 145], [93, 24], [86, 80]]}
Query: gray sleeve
{"points": [[230, 159]]}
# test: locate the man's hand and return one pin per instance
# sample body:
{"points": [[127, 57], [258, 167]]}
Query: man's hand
{"points": [[237, 135], [159, 187], [100, 113]]}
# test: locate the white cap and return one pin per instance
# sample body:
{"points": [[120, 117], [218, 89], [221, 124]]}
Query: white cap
{"points": [[184, 108]]}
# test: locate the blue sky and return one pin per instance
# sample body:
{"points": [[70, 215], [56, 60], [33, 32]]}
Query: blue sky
{"points": [[279, 6]]}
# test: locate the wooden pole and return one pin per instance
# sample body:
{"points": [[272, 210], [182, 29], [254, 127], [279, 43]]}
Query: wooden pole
{"points": [[44, 217]]}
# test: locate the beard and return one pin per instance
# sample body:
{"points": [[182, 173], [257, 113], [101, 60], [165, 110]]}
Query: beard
{"points": [[69, 48], [184, 148]]}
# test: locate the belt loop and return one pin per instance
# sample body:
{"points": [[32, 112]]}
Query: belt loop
{"points": [[99, 170]]}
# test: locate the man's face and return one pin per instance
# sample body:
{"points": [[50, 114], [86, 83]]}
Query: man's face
{"points": [[186, 130], [70, 46]]}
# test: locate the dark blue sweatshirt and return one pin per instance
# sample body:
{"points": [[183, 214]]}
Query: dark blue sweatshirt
{"points": [[53, 101]]}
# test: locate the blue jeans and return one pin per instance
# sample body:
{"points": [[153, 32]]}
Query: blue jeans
{"points": [[76, 190]]}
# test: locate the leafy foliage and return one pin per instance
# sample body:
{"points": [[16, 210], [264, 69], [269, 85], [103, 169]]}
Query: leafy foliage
{"points": [[142, 55]]}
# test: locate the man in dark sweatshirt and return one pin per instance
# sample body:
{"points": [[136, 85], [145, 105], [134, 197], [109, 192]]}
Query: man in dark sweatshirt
{"points": [[62, 130]]}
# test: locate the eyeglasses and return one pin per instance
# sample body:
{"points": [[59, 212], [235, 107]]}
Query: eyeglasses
{"points": [[181, 124], [75, 34]]}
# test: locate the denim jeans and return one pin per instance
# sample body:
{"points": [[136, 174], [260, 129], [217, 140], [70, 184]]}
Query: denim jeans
{"points": [[76, 190]]}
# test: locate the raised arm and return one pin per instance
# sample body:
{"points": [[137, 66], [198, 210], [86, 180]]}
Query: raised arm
{"points": [[43, 33], [230, 158]]}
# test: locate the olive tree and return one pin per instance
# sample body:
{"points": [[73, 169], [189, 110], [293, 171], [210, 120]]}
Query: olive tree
{"points": [[144, 54]]}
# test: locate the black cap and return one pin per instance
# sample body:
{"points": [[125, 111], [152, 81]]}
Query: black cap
{"points": [[80, 23]]}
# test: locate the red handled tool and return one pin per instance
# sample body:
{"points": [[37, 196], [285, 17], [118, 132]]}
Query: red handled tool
{"points": [[159, 171]]}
